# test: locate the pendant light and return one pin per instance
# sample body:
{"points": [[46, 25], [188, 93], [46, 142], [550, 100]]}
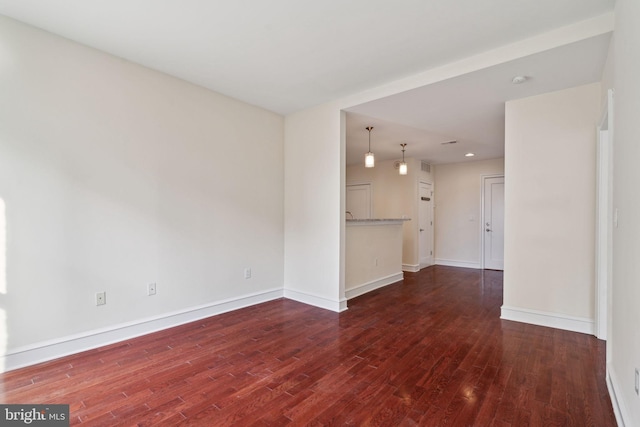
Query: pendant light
{"points": [[403, 166], [369, 159]]}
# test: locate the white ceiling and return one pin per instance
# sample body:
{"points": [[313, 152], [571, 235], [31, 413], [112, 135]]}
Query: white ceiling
{"points": [[468, 109], [287, 55]]}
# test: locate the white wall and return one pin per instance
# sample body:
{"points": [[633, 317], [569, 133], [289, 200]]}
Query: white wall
{"points": [[394, 196], [626, 238], [550, 180], [113, 176], [373, 256], [458, 211], [314, 188]]}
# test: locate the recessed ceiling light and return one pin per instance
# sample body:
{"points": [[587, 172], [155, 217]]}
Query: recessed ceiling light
{"points": [[519, 79], [469, 155]]}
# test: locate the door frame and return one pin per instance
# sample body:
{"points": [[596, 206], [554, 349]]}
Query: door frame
{"points": [[433, 227], [604, 224], [483, 179]]}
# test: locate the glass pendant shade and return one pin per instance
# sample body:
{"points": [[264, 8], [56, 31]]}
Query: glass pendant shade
{"points": [[403, 168], [369, 160]]}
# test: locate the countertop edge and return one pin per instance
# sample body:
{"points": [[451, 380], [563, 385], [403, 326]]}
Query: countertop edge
{"points": [[376, 221]]}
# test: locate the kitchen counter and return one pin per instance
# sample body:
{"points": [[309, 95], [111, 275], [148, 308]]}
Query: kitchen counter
{"points": [[376, 221], [373, 254]]}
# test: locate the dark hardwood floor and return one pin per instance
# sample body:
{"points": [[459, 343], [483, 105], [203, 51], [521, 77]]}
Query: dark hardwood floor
{"points": [[429, 351]]}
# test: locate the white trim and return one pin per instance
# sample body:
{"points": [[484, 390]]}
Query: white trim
{"points": [[619, 408], [373, 285], [430, 258], [552, 320], [457, 263], [412, 268], [71, 344], [316, 300], [604, 222]]}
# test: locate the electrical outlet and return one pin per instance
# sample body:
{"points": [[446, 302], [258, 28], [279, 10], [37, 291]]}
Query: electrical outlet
{"points": [[151, 289], [637, 382], [247, 273], [101, 298]]}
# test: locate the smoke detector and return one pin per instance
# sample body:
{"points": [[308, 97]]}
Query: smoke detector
{"points": [[519, 80]]}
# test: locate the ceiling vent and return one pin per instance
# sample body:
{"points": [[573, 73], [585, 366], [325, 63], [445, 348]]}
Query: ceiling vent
{"points": [[449, 142], [425, 167]]}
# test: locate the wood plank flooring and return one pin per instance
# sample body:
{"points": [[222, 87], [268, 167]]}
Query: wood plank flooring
{"points": [[428, 351]]}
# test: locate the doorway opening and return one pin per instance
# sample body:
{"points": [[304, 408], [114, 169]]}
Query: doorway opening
{"points": [[493, 222], [425, 230]]}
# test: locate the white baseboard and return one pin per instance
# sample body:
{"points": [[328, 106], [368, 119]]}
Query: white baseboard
{"points": [[619, 408], [316, 300], [411, 268], [552, 320], [375, 284], [426, 264], [456, 263], [53, 349]]}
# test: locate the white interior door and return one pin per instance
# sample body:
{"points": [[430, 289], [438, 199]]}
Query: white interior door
{"points": [[493, 223], [358, 201], [425, 214]]}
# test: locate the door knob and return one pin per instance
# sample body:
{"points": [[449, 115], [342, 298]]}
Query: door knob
{"points": [[488, 229], [422, 229]]}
